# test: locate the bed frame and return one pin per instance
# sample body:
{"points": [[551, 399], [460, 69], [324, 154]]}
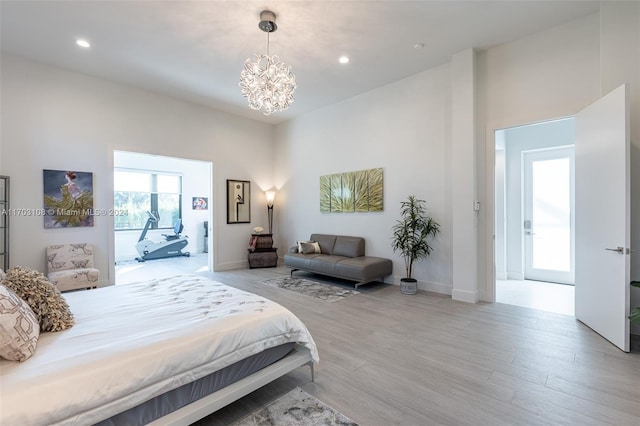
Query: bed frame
{"points": [[200, 370], [196, 410]]}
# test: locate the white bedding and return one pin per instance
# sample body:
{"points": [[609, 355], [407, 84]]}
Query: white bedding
{"points": [[136, 341]]}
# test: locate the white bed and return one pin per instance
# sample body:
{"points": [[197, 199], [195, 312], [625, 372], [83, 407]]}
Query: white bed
{"points": [[138, 341]]}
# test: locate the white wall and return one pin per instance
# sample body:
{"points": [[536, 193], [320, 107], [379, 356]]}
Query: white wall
{"points": [[404, 128], [55, 119], [549, 75], [60, 120], [500, 211], [553, 74], [196, 182]]}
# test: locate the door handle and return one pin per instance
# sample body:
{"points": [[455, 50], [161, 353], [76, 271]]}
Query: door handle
{"points": [[629, 251], [618, 250], [530, 233]]}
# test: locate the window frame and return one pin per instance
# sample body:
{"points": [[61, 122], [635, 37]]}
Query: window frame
{"points": [[153, 195]]}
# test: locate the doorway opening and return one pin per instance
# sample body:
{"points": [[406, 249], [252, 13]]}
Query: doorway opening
{"points": [[163, 200], [534, 216]]}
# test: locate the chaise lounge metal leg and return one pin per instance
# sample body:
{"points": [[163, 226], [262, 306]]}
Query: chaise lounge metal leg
{"points": [[291, 274], [313, 376], [362, 283]]}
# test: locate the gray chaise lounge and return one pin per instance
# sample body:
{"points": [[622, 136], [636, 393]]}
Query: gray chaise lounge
{"points": [[341, 257]]}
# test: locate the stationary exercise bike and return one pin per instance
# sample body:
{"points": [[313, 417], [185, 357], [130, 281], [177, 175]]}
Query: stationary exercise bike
{"points": [[171, 246]]}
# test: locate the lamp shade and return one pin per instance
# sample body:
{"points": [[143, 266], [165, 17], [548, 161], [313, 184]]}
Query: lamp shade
{"points": [[271, 196]]}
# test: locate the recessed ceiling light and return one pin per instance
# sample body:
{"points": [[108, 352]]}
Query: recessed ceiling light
{"points": [[418, 46], [343, 59], [83, 43]]}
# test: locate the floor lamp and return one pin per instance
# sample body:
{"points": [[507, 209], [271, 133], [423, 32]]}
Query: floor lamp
{"points": [[271, 195]]}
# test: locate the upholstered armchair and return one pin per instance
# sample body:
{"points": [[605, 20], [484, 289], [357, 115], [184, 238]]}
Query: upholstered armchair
{"points": [[71, 266]]}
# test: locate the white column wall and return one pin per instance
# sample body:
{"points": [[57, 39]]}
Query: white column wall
{"points": [[501, 217], [463, 150]]}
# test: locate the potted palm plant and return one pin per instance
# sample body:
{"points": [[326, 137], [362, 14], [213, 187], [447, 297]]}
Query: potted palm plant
{"points": [[410, 238]]}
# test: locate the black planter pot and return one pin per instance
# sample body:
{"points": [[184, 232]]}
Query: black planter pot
{"points": [[408, 285]]}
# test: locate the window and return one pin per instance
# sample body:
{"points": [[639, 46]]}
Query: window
{"points": [[138, 191]]}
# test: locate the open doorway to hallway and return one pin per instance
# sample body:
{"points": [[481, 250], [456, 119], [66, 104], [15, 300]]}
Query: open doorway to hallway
{"points": [[534, 216], [166, 201]]}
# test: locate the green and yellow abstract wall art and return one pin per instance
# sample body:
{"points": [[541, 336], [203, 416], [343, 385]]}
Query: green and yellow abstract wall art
{"points": [[359, 191]]}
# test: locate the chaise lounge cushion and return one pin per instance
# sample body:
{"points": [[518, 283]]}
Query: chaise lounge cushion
{"points": [[326, 242], [363, 267], [348, 246]]}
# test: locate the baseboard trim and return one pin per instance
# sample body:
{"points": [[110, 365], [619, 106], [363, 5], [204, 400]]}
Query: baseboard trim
{"points": [[435, 287], [422, 285], [464, 296]]}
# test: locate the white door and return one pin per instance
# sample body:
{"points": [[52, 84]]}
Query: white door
{"points": [[603, 217], [548, 215]]}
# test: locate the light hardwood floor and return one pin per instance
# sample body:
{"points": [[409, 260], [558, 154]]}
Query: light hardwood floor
{"points": [[392, 359], [558, 298]]}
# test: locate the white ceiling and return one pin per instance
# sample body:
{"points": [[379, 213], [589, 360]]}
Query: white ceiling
{"points": [[195, 50]]}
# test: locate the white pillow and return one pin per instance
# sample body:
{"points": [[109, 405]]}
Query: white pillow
{"points": [[44, 299], [309, 248], [299, 243], [316, 246], [2, 275], [19, 328]]}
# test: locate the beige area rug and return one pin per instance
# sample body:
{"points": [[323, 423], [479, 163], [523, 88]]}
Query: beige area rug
{"points": [[296, 408], [322, 291]]}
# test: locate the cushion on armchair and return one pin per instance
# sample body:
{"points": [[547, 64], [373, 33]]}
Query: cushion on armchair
{"points": [[71, 266]]}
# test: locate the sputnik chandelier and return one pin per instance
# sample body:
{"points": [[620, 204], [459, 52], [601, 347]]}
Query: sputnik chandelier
{"points": [[266, 82]]}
